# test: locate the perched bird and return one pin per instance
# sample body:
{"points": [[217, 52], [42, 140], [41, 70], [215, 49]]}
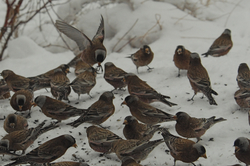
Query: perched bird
{"points": [[146, 113], [114, 75], [182, 149], [101, 139], [59, 83], [129, 161], [48, 151], [199, 79], [15, 122], [181, 58], [243, 77], [98, 112], [4, 90], [92, 51], [57, 109], [242, 150], [135, 130], [84, 82], [242, 98], [221, 46], [81, 67], [146, 93], [191, 127], [67, 163], [142, 57]]}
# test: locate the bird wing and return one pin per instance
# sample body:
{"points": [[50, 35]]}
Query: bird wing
{"points": [[100, 32]]}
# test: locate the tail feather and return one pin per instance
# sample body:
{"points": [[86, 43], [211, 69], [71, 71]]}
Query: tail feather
{"points": [[208, 93], [211, 121], [206, 54], [170, 104], [19, 160]]}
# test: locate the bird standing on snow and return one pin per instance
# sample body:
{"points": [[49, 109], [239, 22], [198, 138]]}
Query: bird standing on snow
{"points": [[242, 150], [15, 122], [243, 77]]}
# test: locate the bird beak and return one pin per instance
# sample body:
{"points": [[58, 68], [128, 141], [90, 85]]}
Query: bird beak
{"points": [[75, 146], [204, 155], [67, 71], [147, 51], [33, 104], [179, 51], [175, 117], [123, 103], [125, 122], [237, 149], [99, 63], [20, 107]]}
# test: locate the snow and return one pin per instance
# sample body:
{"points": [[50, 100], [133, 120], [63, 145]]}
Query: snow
{"points": [[25, 57]]}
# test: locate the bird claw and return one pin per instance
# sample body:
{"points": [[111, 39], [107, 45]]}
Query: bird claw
{"points": [[98, 68]]}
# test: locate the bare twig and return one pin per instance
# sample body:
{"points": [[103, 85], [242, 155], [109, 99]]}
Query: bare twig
{"points": [[130, 40]]}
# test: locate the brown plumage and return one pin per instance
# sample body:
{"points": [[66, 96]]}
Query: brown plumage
{"points": [[59, 83], [48, 151], [199, 79], [145, 112], [135, 130], [181, 58], [114, 75], [101, 139], [221, 46], [98, 112], [191, 127], [57, 109], [4, 148], [15, 122], [22, 100], [183, 149], [146, 93], [84, 82], [67, 163], [81, 67], [242, 150], [4, 90], [243, 77], [92, 51], [242, 98], [129, 161]]}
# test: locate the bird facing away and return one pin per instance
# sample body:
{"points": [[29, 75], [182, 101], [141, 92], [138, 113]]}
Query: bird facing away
{"points": [[182, 149], [243, 77], [57, 109], [242, 150], [4, 90], [146, 93], [92, 51], [98, 112], [146, 113], [143, 57], [22, 100], [242, 98], [191, 127], [199, 79], [15, 122], [181, 58], [221, 46], [114, 75], [47, 152]]}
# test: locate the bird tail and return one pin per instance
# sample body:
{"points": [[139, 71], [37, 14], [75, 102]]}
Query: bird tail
{"points": [[211, 121], [208, 92], [19, 160], [80, 120], [162, 98], [205, 54], [47, 128]]}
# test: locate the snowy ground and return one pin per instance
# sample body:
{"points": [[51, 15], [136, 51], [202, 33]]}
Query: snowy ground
{"points": [[26, 58]]}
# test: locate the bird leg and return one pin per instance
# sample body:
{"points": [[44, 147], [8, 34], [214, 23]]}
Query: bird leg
{"points": [[192, 99], [193, 164], [150, 69], [137, 70], [202, 96], [179, 74]]}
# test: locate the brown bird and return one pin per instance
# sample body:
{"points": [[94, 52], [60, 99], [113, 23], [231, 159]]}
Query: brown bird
{"points": [[84, 82], [243, 77], [182, 149], [142, 57], [57, 109], [59, 83], [191, 127], [98, 112], [92, 51], [221, 46], [15, 122], [22, 139], [199, 79], [242, 98], [67, 163], [146, 93], [181, 58], [129, 161], [81, 67], [16, 82], [146, 113], [135, 130], [100, 139], [114, 75], [4, 90], [242, 150], [48, 151], [4, 148]]}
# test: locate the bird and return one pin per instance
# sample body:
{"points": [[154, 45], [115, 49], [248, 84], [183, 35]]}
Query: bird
{"points": [[221, 46], [146, 113], [181, 58], [146, 93], [242, 98], [59, 83], [182, 149], [191, 127], [142, 57], [81, 67], [242, 149], [84, 82], [93, 51], [135, 130], [243, 77], [199, 79], [14, 122], [114, 75], [4, 90], [22, 139], [129, 161], [101, 139], [98, 112], [67, 163], [4, 148], [57, 109], [48, 151]]}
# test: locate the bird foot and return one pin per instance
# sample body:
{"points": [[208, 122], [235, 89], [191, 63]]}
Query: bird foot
{"points": [[211, 139], [190, 100], [150, 69], [98, 68]]}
